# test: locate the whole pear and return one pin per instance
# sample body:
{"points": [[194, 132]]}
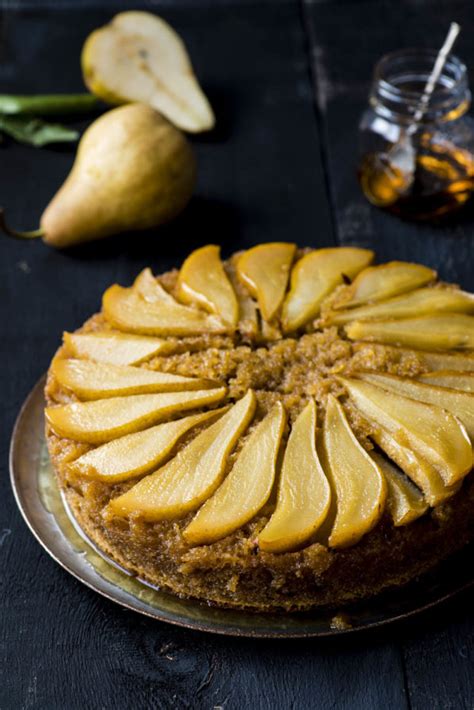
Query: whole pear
{"points": [[133, 170]]}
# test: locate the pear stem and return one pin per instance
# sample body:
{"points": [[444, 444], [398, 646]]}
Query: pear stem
{"points": [[34, 234]]}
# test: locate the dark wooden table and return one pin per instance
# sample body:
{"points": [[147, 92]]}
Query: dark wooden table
{"points": [[288, 81]]}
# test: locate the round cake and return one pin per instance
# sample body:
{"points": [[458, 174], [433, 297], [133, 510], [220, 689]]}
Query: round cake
{"points": [[286, 429]]}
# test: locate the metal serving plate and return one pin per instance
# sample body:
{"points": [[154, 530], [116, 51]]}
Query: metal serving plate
{"points": [[43, 509]]}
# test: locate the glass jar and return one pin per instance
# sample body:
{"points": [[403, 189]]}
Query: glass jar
{"points": [[421, 169]]}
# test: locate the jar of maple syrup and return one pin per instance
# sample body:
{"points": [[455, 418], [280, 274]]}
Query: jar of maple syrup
{"points": [[417, 168]]}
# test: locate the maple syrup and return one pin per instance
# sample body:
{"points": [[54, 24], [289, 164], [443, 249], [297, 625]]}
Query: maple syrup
{"points": [[440, 177]]}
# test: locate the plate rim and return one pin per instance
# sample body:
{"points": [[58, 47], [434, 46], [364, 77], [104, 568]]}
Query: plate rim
{"points": [[173, 618]]}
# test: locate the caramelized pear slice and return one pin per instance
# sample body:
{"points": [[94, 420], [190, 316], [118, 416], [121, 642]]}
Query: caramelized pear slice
{"points": [[450, 378], [264, 270], [461, 404], [424, 301], [192, 475], [151, 290], [443, 332], [377, 283], [431, 360], [358, 485], [202, 280], [246, 488], [114, 348], [135, 454], [431, 432], [128, 311], [95, 380], [106, 419], [304, 494], [423, 474], [404, 501], [314, 277]]}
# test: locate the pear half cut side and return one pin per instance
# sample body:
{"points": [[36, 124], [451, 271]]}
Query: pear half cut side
{"points": [[304, 493], [247, 486], [193, 475]]}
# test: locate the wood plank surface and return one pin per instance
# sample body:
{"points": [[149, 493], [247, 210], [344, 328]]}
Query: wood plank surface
{"points": [[280, 166]]}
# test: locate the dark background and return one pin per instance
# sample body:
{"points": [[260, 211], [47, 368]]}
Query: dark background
{"points": [[288, 81]]}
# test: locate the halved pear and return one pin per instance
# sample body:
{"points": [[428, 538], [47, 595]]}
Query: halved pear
{"points": [[314, 277], [202, 280], [192, 475], [135, 454], [450, 378], [95, 380], [304, 494], [377, 283], [106, 419], [461, 404], [445, 332], [128, 311], [246, 488], [264, 270], [139, 57], [114, 348], [151, 290], [424, 301], [430, 431], [404, 501], [423, 474], [358, 485]]}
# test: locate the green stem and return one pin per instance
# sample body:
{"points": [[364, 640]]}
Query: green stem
{"points": [[34, 234], [47, 104]]}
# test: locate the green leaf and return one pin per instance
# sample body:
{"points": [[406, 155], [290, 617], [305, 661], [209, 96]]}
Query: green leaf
{"points": [[34, 131]]}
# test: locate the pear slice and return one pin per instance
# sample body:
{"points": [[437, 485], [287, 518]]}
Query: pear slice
{"points": [[450, 378], [139, 57], [128, 311], [202, 280], [106, 419], [95, 380], [376, 283], [431, 432], [358, 485], [423, 474], [247, 487], [151, 290], [135, 454], [314, 277], [445, 332], [304, 494], [193, 475], [404, 501], [264, 270], [461, 404], [460, 361], [113, 348], [424, 301]]}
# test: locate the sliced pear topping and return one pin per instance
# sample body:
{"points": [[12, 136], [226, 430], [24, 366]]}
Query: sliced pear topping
{"points": [[430, 360], [94, 380], [247, 487], [193, 475], [450, 378], [139, 57], [444, 332], [377, 283], [404, 501], [414, 304], [433, 433], [461, 404], [202, 280], [314, 277], [303, 495], [357, 483], [151, 290], [135, 454], [106, 419], [114, 348], [264, 270], [128, 311], [423, 474]]}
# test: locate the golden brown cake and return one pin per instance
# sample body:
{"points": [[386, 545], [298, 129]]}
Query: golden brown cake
{"points": [[283, 430]]}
